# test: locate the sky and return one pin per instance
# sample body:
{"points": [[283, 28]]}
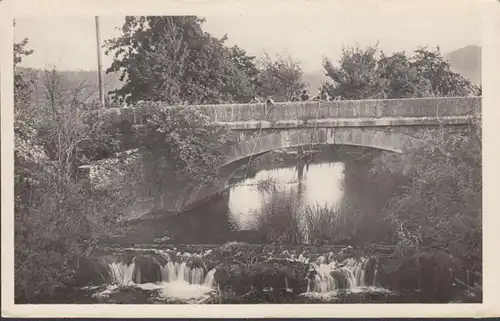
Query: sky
{"points": [[69, 43]]}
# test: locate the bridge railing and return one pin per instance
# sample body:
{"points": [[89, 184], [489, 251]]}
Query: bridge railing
{"points": [[383, 108]]}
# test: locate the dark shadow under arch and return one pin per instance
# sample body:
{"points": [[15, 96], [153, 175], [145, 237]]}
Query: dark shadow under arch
{"points": [[365, 137]]}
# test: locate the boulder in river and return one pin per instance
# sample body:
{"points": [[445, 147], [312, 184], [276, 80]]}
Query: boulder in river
{"points": [[275, 275]]}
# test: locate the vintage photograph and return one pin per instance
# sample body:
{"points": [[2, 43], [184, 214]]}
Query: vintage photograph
{"points": [[328, 157]]}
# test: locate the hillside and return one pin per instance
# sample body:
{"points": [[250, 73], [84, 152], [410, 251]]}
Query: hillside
{"points": [[73, 79], [314, 80], [466, 61]]}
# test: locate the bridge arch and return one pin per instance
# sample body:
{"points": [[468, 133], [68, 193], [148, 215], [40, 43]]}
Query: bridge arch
{"points": [[367, 137]]}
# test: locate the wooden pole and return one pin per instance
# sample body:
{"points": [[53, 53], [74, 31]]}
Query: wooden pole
{"points": [[99, 63]]}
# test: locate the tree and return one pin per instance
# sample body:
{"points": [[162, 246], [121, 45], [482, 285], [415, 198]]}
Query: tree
{"points": [[24, 132], [246, 75], [401, 77], [63, 127], [171, 59], [361, 75], [22, 93], [280, 78], [357, 77], [431, 65]]}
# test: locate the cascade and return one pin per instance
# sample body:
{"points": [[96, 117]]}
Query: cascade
{"points": [[333, 276], [186, 275], [173, 271], [209, 279], [127, 274], [122, 273], [183, 278]]}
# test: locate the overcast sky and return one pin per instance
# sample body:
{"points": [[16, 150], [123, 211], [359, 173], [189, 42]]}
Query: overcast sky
{"points": [[69, 42]]}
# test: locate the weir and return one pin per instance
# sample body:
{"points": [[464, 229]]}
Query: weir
{"points": [[324, 275]]}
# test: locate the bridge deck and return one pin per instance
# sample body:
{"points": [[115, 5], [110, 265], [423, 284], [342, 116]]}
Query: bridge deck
{"points": [[306, 111]]}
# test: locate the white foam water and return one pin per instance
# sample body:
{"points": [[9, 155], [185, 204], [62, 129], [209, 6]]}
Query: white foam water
{"points": [[351, 275], [178, 281], [122, 273]]}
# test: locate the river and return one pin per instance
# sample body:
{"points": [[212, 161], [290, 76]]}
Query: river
{"points": [[329, 188], [295, 230], [294, 211]]}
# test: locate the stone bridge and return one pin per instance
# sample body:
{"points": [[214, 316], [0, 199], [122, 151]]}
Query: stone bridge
{"points": [[393, 124]]}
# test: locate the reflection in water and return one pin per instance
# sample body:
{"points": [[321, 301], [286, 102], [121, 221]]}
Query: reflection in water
{"points": [[316, 205], [321, 184]]}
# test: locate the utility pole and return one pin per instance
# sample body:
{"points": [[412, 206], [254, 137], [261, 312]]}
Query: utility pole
{"points": [[99, 62]]}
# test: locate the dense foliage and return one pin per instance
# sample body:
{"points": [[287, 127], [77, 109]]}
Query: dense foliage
{"points": [[180, 148], [58, 215], [280, 78], [171, 59], [363, 75], [21, 90], [438, 210]]}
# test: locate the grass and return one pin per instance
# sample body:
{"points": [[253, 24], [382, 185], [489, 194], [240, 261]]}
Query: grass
{"points": [[284, 220]]}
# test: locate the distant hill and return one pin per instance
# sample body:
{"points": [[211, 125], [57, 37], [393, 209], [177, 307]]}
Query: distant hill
{"points": [[314, 80], [73, 79], [467, 61]]}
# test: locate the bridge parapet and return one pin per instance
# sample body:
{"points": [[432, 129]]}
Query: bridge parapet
{"points": [[344, 109]]}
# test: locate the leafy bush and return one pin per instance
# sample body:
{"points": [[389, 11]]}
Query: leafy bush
{"points": [[438, 213], [184, 140]]}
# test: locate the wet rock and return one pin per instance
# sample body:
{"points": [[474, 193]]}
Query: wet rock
{"points": [[429, 272], [274, 275], [147, 269], [91, 271], [127, 295], [196, 262], [341, 279], [346, 296]]}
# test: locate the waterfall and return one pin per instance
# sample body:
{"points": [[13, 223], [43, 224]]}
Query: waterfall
{"points": [[122, 273], [357, 271], [184, 281], [333, 276], [138, 272], [169, 272], [174, 271], [209, 279]]}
